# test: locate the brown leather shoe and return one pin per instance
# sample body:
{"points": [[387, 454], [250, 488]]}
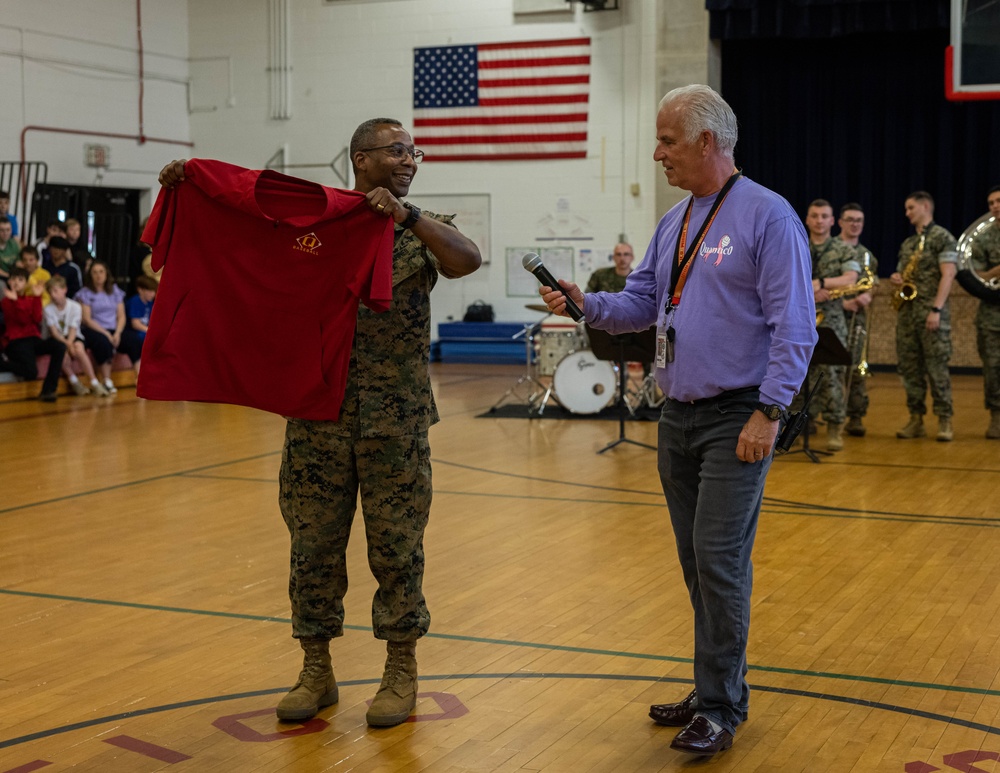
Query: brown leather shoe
{"points": [[699, 738], [674, 714]]}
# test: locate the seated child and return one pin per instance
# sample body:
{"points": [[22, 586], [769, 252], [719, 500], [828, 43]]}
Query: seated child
{"points": [[23, 314], [62, 322], [37, 276], [137, 309]]}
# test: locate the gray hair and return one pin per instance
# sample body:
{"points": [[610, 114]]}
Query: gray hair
{"points": [[705, 110], [365, 133]]}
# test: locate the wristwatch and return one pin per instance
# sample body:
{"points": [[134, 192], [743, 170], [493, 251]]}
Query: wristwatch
{"points": [[772, 411], [413, 217], [935, 309]]}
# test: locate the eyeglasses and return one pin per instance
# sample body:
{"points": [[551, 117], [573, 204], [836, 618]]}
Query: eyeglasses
{"points": [[853, 219], [399, 152]]}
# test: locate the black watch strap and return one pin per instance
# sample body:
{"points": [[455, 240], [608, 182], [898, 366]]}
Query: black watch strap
{"points": [[772, 410], [413, 217]]}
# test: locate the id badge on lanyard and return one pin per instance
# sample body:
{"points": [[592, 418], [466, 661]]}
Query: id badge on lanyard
{"points": [[665, 341]]}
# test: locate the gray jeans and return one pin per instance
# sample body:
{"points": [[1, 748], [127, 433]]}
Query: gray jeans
{"points": [[714, 501]]}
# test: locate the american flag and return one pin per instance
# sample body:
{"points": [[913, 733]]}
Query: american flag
{"points": [[502, 101]]}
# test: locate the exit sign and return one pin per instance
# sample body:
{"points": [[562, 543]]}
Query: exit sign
{"points": [[97, 155]]}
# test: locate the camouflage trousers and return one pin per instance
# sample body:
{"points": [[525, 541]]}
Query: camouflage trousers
{"points": [[857, 395], [321, 476], [988, 343], [856, 385], [923, 360], [829, 399]]}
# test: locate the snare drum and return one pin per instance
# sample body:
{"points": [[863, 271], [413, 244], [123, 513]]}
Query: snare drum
{"points": [[583, 383], [558, 337]]}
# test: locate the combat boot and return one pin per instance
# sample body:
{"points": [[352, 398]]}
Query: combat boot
{"points": [[397, 695], [945, 432], [993, 431], [915, 428], [834, 441], [855, 427], [316, 687]]}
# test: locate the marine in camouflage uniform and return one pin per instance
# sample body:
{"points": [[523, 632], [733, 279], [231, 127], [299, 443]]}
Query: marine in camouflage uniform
{"points": [[831, 259], [377, 448], [606, 280], [857, 386], [923, 354], [986, 256], [612, 279]]}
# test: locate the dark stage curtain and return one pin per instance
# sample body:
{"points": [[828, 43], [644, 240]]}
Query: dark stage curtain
{"points": [[862, 118]]}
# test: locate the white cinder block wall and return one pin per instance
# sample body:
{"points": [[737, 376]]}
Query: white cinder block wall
{"points": [[74, 65], [353, 59]]}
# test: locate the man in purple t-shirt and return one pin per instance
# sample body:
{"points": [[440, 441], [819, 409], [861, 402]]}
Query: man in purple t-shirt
{"points": [[727, 282]]}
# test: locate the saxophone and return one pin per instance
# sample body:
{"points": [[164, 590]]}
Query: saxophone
{"points": [[908, 290], [864, 284]]}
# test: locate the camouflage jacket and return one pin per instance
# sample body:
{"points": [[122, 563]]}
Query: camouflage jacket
{"points": [[831, 259], [986, 255], [605, 280], [388, 384], [939, 247], [859, 254]]}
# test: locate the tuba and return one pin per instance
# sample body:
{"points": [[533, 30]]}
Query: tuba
{"points": [[908, 290], [967, 276]]}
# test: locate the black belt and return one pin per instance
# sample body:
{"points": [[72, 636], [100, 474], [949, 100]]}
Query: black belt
{"points": [[720, 396]]}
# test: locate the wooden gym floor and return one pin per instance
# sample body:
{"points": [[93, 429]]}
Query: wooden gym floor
{"points": [[144, 614]]}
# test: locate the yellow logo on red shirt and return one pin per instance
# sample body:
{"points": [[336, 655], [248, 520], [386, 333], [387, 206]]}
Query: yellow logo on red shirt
{"points": [[308, 243]]}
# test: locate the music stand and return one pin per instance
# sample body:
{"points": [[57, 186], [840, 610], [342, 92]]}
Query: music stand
{"points": [[829, 351], [623, 348]]}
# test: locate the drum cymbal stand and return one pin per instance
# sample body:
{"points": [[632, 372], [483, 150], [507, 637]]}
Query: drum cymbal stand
{"points": [[646, 394], [528, 379]]}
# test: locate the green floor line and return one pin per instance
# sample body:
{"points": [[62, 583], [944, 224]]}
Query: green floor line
{"points": [[517, 643]]}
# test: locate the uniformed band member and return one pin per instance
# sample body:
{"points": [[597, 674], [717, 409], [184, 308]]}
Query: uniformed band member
{"points": [[612, 279], [927, 264], [833, 266], [986, 262], [852, 223]]}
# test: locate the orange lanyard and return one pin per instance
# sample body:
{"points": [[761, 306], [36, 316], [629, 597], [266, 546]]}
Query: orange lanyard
{"points": [[683, 264]]}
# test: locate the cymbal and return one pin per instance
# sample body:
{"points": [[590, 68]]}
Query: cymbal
{"points": [[537, 307]]}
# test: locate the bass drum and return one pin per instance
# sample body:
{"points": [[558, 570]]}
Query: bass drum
{"points": [[985, 228], [583, 383], [558, 337]]}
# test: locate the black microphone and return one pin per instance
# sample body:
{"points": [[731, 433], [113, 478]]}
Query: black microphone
{"points": [[533, 263]]}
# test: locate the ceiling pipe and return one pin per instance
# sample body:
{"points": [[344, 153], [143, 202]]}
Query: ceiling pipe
{"points": [[142, 76], [85, 133]]}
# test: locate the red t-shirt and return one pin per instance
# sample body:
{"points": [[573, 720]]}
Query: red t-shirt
{"points": [[22, 316], [258, 299]]}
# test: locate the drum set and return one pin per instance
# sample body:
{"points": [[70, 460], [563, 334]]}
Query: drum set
{"points": [[561, 366]]}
